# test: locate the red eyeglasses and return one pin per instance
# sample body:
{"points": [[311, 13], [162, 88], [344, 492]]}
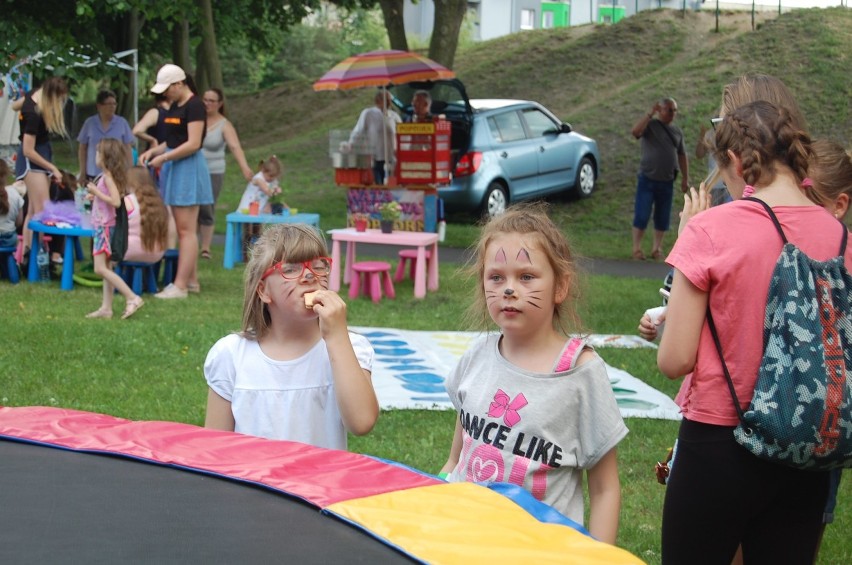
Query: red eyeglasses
{"points": [[319, 267]]}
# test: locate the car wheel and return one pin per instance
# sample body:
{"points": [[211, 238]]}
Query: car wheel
{"points": [[496, 200], [584, 183]]}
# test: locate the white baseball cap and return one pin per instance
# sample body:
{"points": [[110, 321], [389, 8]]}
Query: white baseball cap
{"points": [[167, 76]]}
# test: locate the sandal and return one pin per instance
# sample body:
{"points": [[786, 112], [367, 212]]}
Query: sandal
{"points": [[205, 254], [638, 255], [132, 307], [100, 313], [656, 254], [193, 288]]}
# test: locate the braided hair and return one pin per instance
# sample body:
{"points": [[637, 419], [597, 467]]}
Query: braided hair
{"points": [[764, 135]]}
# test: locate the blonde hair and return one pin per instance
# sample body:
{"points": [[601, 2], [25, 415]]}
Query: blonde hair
{"points": [[830, 170], [154, 217], [54, 93], [272, 166], [529, 220], [116, 160], [290, 243]]}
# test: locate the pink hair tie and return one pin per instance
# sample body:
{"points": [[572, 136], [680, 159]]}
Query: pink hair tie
{"points": [[748, 191], [807, 183]]}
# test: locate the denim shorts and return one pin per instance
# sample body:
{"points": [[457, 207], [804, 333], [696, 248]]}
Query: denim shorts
{"points": [[653, 194]]}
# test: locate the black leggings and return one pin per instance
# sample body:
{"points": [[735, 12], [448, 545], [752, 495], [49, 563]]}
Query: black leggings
{"points": [[720, 496]]}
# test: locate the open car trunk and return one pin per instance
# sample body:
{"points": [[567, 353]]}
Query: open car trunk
{"points": [[449, 99]]}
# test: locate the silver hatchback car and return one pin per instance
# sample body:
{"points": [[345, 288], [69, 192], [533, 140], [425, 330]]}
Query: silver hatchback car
{"points": [[506, 150]]}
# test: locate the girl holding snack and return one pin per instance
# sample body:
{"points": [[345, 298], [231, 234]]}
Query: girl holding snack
{"points": [[112, 156], [544, 396], [295, 372]]}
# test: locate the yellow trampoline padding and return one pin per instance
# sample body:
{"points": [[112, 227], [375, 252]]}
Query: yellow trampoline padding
{"points": [[468, 523]]}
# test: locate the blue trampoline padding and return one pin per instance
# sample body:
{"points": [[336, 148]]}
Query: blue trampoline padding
{"points": [[541, 511]]}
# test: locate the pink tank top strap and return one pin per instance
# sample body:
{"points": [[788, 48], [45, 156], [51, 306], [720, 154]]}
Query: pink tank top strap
{"points": [[568, 360]]}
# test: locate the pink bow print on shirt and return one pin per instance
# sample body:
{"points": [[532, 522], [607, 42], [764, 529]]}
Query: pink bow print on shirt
{"points": [[501, 406]]}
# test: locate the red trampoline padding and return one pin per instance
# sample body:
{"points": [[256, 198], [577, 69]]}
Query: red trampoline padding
{"points": [[316, 475]]}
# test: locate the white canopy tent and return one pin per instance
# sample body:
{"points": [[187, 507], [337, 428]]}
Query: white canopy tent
{"points": [[81, 60]]}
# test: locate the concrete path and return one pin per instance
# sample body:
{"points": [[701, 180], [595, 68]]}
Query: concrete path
{"points": [[613, 267], [637, 269]]}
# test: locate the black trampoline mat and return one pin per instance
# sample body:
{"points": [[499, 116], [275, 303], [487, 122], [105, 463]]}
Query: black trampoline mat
{"points": [[59, 506]]}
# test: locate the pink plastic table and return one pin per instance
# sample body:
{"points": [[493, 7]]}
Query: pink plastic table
{"points": [[420, 240]]}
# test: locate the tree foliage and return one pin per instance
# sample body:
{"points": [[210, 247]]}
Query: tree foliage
{"points": [[180, 31]]}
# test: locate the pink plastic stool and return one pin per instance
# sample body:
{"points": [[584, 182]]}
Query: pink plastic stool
{"points": [[409, 256], [19, 252], [375, 275]]}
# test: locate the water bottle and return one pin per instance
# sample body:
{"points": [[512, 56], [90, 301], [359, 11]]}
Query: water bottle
{"points": [[43, 262], [80, 199]]}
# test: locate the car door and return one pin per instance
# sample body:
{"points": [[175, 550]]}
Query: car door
{"points": [[513, 152], [553, 150]]}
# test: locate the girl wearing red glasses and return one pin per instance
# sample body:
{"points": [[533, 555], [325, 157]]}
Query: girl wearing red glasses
{"points": [[295, 371]]}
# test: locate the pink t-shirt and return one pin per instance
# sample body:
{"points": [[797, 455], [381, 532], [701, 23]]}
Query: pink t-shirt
{"points": [[730, 251], [103, 213]]}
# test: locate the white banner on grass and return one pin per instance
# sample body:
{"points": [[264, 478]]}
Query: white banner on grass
{"points": [[411, 368]]}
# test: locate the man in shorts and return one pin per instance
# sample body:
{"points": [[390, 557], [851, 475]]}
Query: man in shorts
{"points": [[663, 156]]}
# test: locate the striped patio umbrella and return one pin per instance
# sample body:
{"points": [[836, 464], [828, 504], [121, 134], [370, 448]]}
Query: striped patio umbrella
{"points": [[380, 68]]}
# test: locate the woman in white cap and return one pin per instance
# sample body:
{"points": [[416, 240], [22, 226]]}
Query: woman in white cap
{"points": [[184, 177]]}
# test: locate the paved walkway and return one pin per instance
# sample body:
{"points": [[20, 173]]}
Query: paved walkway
{"points": [[638, 269], [613, 267]]}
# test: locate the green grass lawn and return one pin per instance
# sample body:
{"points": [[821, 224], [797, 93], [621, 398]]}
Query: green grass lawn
{"points": [[150, 368]]}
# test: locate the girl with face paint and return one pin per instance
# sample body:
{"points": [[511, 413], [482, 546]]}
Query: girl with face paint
{"points": [[295, 372], [535, 406]]}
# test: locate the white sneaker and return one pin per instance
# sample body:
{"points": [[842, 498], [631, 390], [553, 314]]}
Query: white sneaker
{"points": [[171, 291]]}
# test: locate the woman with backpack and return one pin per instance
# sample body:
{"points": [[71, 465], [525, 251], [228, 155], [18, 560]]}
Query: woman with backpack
{"points": [[719, 495]]}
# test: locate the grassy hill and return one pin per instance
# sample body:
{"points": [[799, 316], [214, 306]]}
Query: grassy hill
{"points": [[598, 78]]}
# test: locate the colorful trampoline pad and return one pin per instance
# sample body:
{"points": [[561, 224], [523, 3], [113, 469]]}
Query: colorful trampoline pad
{"points": [[468, 523], [423, 517]]}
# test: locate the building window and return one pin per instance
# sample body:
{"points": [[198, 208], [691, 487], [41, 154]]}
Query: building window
{"points": [[527, 19], [547, 20]]}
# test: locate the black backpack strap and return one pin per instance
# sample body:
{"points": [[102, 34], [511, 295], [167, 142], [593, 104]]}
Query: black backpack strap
{"points": [[718, 343], [775, 221], [772, 216]]}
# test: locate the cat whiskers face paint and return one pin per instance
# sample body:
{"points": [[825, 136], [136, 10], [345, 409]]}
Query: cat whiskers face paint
{"points": [[532, 297]]}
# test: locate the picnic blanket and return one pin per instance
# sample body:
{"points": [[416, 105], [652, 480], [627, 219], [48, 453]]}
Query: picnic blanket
{"points": [[411, 367]]}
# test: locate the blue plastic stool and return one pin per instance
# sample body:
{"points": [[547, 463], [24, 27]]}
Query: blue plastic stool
{"points": [[141, 277], [8, 265], [169, 263]]}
